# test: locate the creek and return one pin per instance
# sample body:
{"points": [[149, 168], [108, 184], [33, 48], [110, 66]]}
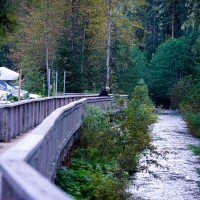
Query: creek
{"points": [[169, 171]]}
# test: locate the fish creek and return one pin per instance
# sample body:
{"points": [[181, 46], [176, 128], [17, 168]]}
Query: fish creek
{"points": [[169, 171]]}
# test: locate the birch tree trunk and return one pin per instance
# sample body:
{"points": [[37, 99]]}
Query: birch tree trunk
{"points": [[73, 36], [108, 43], [82, 53], [73, 6], [83, 48], [173, 17], [47, 50]]}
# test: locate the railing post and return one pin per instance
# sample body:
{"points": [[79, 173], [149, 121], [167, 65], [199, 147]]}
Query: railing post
{"points": [[20, 119], [8, 125], [37, 120], [27, 115], [32, 114], [16, 114], [2, 124]]}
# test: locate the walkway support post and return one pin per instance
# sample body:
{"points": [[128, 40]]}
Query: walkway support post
{"points": [[20, 84], [64, 81]]}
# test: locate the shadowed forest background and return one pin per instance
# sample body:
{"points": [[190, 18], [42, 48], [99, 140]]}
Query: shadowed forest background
{"points": [[154, 40]]}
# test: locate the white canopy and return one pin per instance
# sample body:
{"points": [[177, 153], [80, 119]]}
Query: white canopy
{"points": [[7, 74]]}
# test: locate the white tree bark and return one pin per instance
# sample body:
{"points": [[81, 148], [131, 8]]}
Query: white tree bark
{"points": [[108, 43], [47, 50], [173, 17]]}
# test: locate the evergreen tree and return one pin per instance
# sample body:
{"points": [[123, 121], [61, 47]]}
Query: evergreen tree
{"points": [[7, 18], [4, 59], [171, 62]]}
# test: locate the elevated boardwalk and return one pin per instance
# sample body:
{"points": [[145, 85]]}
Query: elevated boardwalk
{"points": [[28, 166]]}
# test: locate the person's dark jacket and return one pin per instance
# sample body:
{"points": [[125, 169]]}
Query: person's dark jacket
{"points": [[104, 93]]}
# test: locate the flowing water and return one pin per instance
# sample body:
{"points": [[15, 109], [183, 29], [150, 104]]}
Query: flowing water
{"points": [[169, 171]]}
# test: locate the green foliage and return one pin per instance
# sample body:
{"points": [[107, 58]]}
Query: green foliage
{"points": [[139, 116], [4, 60], [85, 180], [196, 151], [69, 61], [171, 62], [190, 106], [139, 111], [76, 45], [94, 172], [97, 134], [110, 149], [7, 19], [190, 102], [156, 18], [119, 100], [193, 120], [33, 82], [130, 67]]}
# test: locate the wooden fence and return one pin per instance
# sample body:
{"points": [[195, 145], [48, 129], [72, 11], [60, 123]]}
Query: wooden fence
{"points": [[20, 117], [41, 152]]}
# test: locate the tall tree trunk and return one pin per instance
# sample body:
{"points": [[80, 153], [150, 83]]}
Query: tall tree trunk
{"points": [[83, 47], [154, 31], [108, 43], [82, 52], [73, 37], [73, 4], [47, 49], [173, 18]]}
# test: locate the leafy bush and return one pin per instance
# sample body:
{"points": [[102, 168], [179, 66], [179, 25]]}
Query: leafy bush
{"points": [[193, 122], [34, 82], [196, 151], [140, 110], [109, 151], [86, 179], [190, 104], [166, 70], [139, 116]]}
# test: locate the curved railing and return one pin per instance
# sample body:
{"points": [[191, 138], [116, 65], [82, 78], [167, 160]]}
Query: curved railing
{"points": [[41, 153], [20, 117]]}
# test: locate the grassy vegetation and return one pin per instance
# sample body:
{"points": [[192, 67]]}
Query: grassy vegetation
{"points": [[196, 151], [190, 105]]}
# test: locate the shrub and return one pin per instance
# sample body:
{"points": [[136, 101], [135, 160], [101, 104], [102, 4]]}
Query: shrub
{"points": [[193, 122], [109, 150], [89, 180], [190, 106]]}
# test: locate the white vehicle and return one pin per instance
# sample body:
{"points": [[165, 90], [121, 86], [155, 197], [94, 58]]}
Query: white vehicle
{"points": [[31, 95], [14, 91], [5, 95], [34, 96]]}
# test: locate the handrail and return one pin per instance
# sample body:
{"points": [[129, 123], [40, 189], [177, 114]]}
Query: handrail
{"points": [[20, 117], [33, 187], [41, 151]]}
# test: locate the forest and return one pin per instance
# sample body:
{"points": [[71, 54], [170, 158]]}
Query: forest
{"points": [[107, 42]]}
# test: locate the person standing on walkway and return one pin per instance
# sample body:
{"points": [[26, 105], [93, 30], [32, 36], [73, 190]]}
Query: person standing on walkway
{"points": [[105, 91]]}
